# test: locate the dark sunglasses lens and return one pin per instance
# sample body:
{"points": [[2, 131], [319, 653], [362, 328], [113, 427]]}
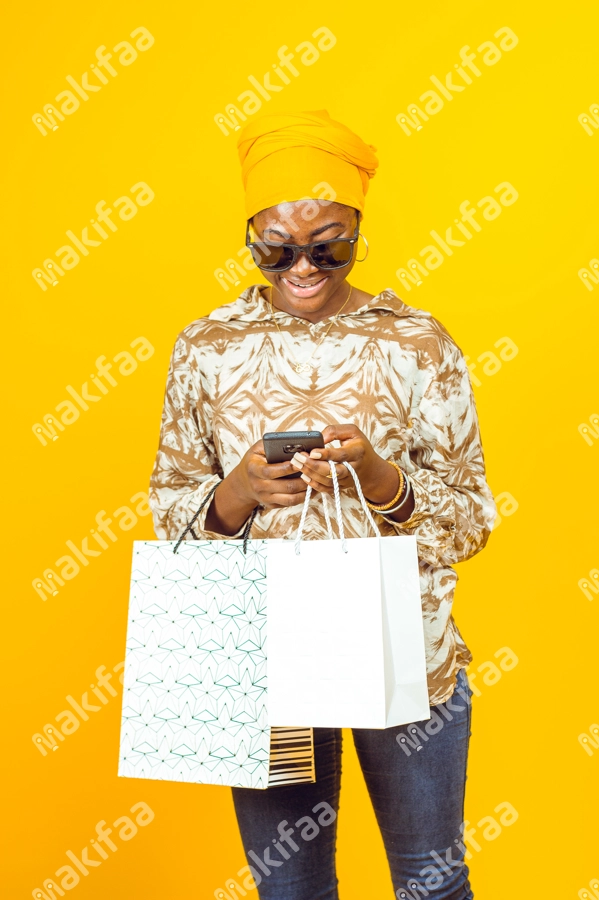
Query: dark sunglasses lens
{"points": [[271, 256], [332, 254]]}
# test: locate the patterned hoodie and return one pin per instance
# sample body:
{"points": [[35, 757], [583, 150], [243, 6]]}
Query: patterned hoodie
{"points": [[388, 368]]}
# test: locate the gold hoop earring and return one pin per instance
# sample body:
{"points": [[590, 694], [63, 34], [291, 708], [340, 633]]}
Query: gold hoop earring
{"points": [[367, 247]]}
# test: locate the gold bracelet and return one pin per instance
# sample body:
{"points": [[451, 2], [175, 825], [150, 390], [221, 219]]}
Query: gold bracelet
{"points": [[402, 483]]}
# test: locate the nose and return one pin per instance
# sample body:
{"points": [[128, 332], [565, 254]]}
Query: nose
{"points": [[302, 267]]}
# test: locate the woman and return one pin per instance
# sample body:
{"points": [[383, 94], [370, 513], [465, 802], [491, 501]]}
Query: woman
{"points": [[387, 384]]}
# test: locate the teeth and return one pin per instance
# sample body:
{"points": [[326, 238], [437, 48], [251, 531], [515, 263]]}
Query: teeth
{"points": [[311, 284]]}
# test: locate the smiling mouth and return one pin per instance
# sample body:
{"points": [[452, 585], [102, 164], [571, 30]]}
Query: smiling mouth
{"points": [[305, 288]]}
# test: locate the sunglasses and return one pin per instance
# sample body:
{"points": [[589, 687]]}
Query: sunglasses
{"points": [[323, 254]]}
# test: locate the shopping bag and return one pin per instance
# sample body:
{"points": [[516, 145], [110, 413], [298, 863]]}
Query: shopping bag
{"points": [[195, 691], [344, 626]]}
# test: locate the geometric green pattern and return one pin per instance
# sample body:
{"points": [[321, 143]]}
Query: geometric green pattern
{"points": [[194, 700]]}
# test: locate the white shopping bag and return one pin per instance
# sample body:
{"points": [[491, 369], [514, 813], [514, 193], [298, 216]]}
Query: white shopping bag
{"points": [[344, 630]]}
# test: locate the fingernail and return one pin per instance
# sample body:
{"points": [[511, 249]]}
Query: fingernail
{"points": [[305, 478], [297, 460], [315, 454]]}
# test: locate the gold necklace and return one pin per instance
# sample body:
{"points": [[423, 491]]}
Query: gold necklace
{"points": [[306, 368]]}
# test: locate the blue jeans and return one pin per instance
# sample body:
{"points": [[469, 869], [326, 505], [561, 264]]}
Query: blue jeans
{"points": [[415, 775]]}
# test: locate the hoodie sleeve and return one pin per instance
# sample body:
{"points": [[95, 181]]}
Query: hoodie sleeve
{"points": [[454, 509], [186, 466]]}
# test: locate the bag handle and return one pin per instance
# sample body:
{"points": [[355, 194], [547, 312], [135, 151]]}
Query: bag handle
{"points": [[369, 515], [246, 531], [337, 496]]}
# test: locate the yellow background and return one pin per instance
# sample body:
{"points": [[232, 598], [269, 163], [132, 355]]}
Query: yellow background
{"points": [[517, 278]]}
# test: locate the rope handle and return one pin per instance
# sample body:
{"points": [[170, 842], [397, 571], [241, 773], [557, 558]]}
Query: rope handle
{"points": [[337, 497], [327, 517], [248, 527], [369, 515], [246, 531]]}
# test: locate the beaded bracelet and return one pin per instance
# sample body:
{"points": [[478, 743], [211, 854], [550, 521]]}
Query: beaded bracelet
{"points": [[402, 483], [399, 505]]}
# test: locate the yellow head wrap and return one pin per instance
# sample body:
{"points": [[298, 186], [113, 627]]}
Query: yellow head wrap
{"points": [[284, 156]]}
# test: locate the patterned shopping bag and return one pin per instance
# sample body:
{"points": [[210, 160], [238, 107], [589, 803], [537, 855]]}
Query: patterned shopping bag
{"points": [[195, 691]]}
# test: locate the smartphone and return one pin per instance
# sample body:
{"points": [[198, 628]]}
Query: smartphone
{"points": [[280, 446]]}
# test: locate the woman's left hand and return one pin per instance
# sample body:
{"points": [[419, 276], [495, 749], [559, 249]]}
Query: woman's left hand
{"points": [[379, 480]]}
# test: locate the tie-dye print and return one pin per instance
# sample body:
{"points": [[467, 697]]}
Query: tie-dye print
{"points": [[388, 368]]}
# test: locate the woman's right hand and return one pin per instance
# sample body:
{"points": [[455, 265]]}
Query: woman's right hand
{"points": [[254, 482], [262, 483]]}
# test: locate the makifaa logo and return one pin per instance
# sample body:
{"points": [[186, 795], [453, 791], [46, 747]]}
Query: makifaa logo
{"points": [[433, 258], [67, 413], [432, 101], [126, 518], [590, 120], [69, 103], [250, 101], [68, 257], [590, 276], [69, 875]]}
